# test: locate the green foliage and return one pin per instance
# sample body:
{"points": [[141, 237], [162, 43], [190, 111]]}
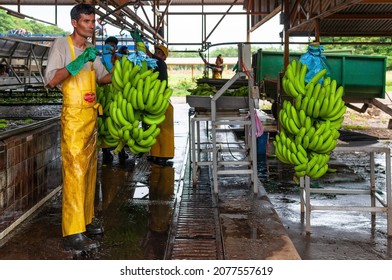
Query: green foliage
{"points": [[181, 85], [9, 23], [183, 54]]}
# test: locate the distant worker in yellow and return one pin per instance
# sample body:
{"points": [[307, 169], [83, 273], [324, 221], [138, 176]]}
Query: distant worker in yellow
{"points": [[217, 68], [163, 150]]}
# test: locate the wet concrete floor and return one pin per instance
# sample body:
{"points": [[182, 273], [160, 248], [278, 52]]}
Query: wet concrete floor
{"points": [[334, 235], [140, 206]]}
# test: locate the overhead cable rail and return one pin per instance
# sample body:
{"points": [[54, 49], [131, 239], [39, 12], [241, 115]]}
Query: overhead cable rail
{"points": [[24, 62]]}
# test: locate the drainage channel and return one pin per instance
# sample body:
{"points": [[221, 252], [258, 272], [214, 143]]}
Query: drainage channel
{"points": [[195, 232]]}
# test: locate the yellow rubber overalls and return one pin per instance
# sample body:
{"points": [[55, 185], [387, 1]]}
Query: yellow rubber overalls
{"points": [[216, 75], [164, 147], [79, 149]]}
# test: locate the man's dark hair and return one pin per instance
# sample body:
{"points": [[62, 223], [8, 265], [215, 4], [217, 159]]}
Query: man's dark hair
{"points": [[81, 8], [123, 50], [111, 39]]}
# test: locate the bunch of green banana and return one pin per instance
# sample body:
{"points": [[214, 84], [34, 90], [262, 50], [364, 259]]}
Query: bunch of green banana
{"points": [[293, 81], [208, 90], [305, 162], [242, 91], [3, 123], [203, 90], [310, 123], [134, 108], [287, 151], [322, 101]]}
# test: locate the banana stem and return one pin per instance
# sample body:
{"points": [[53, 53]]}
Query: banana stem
{"points": [[119, 147]]}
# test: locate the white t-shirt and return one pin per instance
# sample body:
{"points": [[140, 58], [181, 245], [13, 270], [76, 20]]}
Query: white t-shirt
{"points": [[60, 55]]}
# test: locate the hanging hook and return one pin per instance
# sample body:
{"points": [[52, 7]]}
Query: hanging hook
{"points": [[121, 32], [136, 6]]}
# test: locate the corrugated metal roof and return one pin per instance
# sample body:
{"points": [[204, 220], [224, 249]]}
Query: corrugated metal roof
{"points": [[371, 19]]}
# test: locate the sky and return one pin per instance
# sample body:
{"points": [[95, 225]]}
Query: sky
{"points": [[182, 28]]}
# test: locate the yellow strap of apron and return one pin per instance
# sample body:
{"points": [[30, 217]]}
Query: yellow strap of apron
{"points": [[71, 47], [98, 106]]}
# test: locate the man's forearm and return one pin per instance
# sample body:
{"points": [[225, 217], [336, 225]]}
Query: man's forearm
{"points": [[107, 79], [59, 77]]}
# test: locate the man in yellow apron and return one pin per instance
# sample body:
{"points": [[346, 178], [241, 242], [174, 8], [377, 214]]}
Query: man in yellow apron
{"points": [[73, 68]]}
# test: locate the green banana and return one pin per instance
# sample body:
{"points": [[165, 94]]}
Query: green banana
{"points": [[130, 112], [316, 109], [302, 117], [146, 89], [294, 116], [298, 102], [148, 119], [313, 142], [318, 76], [121, 118], [309, 109], [320, 172]]}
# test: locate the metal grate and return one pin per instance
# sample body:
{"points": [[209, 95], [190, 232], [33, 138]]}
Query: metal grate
{"points": [[196, 231]]}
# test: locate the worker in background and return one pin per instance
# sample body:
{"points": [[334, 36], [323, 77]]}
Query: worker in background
{"points": [[109, 57], [73, 67], [163, 149], [123, 50], [217, 68]]}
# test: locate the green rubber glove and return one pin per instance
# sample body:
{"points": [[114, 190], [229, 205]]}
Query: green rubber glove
{"points": [[136, 36], [75, 66], [140, 46]]}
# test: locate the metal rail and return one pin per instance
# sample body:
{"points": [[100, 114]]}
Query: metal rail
{"points": [[386, 203]]}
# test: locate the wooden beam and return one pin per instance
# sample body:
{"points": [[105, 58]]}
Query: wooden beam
{"points": [[266, 18], [322, 14], [381, 106]]}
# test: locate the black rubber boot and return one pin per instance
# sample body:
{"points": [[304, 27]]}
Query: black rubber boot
{"points": [[94, 228], [122, 155], [79, 242], [107, 156]]}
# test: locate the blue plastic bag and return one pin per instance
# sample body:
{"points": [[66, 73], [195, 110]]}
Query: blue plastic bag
{"points": [[315, 61]]}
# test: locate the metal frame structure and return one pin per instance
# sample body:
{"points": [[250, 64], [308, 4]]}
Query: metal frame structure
{"points": [[220, 120], [154, 23], [300, 17], [25, 60], [385, 204]]}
